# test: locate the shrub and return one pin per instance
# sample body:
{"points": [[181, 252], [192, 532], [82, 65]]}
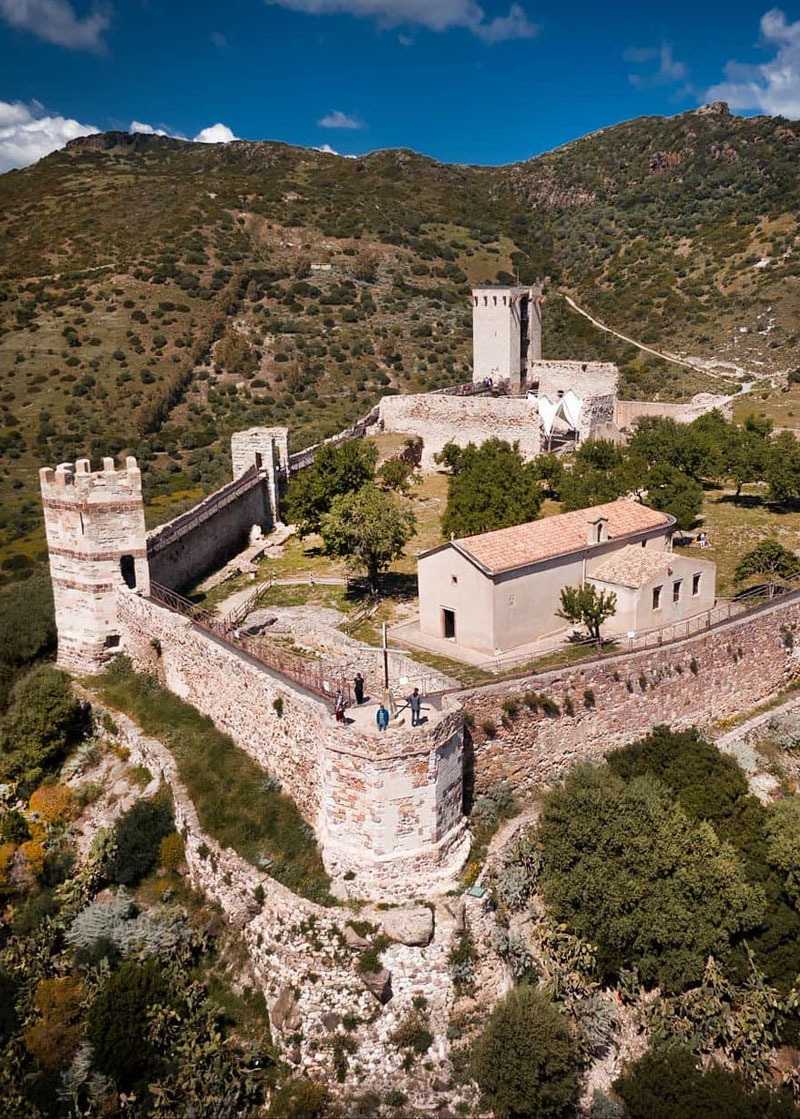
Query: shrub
{"points": [[54, 1038], [299, 1099], [525, 1061], [117, 1024], [603, 838], [137, 836], [588, 699], [666, 1084], [511, 707], [489, 728], [42, 722], [172, 852]]}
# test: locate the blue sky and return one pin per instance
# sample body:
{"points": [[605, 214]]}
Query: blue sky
{"points": [[462, 81]]}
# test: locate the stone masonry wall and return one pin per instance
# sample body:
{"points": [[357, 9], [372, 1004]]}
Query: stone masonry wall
{"points": [[304, 963], [182, 550], [724, 673], [440, 419], [386, 808], [627, 412]]}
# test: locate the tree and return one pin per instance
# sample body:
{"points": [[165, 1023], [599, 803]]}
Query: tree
{"points": [[525, 1061], [601, 471], [746, 454], [671, 491], [667, 1084], [336, 470], [449, 457], [43, 721], [550, 468], [768, 560], [783, 468], [587, 606], [626, 867], [492, 488], [394, 474], [369, 526], [783, 838]]}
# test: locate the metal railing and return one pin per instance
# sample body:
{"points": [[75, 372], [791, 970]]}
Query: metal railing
{"points": [[724, 610], [316, 676]]}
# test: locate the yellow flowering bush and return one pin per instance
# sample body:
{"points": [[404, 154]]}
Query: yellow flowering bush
{"points": [[53, 804]]}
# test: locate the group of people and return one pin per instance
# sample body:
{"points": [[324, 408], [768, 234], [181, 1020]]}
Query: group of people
{"points": [[414, 702]]}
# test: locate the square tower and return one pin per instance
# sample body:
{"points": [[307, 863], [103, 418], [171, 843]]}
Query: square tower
{"points": [[506, 334], [96, 545]]}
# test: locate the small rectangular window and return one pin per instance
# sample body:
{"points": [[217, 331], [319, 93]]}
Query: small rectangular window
{"points": [[657, 597], [112, 641], [696, 584], [676, 590]]}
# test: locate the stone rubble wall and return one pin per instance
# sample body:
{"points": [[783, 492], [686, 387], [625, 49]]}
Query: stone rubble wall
{"points": [[627, 412], [301, 959], [386, 808], [711, 677], [438, 419]]}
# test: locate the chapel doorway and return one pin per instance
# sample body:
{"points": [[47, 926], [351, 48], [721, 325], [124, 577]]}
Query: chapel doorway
{"points": [[449, 624]]}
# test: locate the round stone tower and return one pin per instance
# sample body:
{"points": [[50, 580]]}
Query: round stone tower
{"points": [[97, 545]]}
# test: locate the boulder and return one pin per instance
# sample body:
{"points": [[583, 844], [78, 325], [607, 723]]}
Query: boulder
{"points": [[379, 983], [331, 1021], [285, 1013], [410, 924], [457, 910], [353, 940]]}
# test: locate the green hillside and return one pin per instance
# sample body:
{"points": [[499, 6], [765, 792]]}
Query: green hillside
{"points": [[155, 294]]}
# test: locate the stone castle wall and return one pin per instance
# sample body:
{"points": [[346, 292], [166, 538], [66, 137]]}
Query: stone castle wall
{"points": [[718, 675], [440, 419], [386, 808], [627, 412], [217, 528]]}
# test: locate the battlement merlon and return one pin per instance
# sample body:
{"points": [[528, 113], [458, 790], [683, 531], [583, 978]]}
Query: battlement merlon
{"points": [[68, 480]]}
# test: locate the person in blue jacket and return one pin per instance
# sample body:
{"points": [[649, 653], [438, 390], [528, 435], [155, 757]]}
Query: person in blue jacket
{"points": [[382, 718]]}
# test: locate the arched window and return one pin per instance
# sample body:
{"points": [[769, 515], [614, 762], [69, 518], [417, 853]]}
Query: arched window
{"points": [[128, 570]]}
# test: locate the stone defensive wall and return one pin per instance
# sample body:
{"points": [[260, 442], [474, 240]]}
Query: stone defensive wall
{"points": [[443, 418], [701, 680], [210, 533], [385, 807], [627, 412]]}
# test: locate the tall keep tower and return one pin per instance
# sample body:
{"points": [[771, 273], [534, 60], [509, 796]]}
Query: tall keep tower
{"points": [[96, 543], [506, 333]]}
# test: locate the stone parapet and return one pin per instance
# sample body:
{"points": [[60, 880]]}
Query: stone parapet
{"points": [[715, 676], [381, 804]]}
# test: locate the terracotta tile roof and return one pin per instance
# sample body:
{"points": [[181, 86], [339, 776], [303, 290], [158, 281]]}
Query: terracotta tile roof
{"points": [[509, 548], [633, 566]]}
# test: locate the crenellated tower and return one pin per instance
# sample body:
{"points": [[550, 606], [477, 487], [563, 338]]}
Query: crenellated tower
{"points": [[96, 544]]}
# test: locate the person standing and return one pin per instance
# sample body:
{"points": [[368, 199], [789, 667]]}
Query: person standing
{"points": [[415, 703], [382, 718], [358, 688], [339, 707]]}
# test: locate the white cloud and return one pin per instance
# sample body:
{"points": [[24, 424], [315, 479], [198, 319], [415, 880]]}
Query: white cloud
{"points": [[28, 134], [215, 134], [338, 119], [148, 130], [56, 22], [668, 72], [218, 39], [327, 149], [773, 86], [435, 15]]}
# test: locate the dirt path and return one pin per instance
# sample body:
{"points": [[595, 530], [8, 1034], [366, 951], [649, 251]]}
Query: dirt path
{"points": [[696, 366]]}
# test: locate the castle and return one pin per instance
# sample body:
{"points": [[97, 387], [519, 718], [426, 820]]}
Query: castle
{"points": [[387, 809]]}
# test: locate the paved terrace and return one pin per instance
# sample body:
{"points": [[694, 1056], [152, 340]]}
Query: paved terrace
{"points": [[362, 718]]}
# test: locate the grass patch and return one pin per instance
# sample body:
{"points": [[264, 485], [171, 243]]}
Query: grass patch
{"points": [[232, 794]]}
